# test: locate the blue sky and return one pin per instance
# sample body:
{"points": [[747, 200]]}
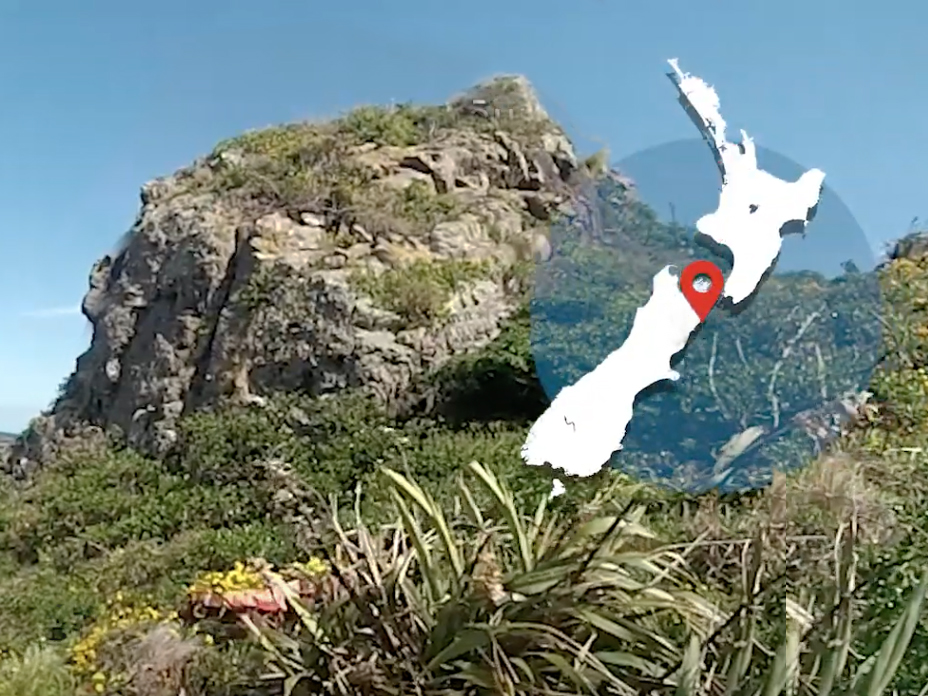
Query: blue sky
{"points": [[96, 98]]}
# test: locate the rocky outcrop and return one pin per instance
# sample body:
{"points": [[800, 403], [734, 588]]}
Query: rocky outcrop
{"points": [[912, 246], [6, 444], [358, 253]]}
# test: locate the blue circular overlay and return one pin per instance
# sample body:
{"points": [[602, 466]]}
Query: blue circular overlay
{"points": [[764, 386]]}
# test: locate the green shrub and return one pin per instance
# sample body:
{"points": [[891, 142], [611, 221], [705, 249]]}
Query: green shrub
{"points": [[337, 442], [93, 524], [333, 441], [231, 669], [40, 671], [496, 383], [597, 164], [278, 142], [420, 291], [42, 601], [384, 126], [420, 204], [86, 505], [384, 211], [163, 569]]}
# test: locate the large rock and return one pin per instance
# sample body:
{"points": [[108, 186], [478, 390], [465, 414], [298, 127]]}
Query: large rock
{"points": [[6, 444], [912, 246], [227, 289]]}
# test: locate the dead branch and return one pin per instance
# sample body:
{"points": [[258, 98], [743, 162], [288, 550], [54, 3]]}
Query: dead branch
{"points": [[775, 373], [712, 387]]}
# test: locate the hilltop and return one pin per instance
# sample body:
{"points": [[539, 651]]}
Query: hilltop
{"points": [[363, 252]]}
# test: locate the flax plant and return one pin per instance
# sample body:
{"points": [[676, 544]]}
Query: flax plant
{"points": [[813, 657], [492, 601]]}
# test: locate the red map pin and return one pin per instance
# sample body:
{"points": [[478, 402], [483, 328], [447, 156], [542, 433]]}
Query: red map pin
{"points": [[702, 300]]}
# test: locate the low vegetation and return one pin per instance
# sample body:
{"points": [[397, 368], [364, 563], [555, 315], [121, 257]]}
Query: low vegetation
{"points": [[481, 594], [326, 546], [101, 549], [386, 212], [313, 165], [421, 290]]}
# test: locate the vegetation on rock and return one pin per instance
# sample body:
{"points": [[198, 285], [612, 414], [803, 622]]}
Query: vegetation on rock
{"points": [[421, 291]]}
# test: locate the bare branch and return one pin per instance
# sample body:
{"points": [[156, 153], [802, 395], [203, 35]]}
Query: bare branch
{"points": [[820, 364], [775, 373], [715, 392], [740, 350]]}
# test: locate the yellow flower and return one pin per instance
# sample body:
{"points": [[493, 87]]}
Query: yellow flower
{"points": [[118, 616], [316, 566], [238, 578]]}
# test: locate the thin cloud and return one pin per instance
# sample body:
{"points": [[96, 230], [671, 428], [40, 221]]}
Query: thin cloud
{"points": [[68, 311]]}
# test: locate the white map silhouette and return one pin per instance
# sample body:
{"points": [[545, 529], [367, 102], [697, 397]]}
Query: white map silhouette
{"points": [[587, 421]]}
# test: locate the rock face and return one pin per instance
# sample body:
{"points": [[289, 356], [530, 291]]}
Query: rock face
{"points": [[361, 252], [7, 441]]}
